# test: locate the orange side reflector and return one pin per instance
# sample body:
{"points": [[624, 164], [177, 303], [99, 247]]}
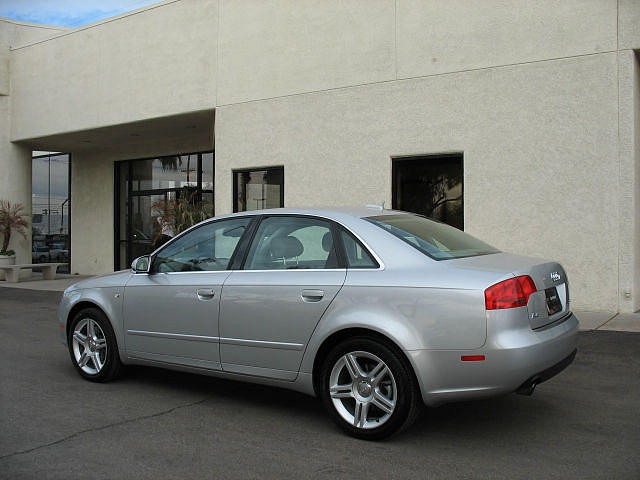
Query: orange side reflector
{"points": [[472, 358]]}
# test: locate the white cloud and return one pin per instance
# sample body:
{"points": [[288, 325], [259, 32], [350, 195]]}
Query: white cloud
{"points": [[71, 13]]}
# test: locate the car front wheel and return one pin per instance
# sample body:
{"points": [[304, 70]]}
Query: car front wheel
{"points": [[92, 345], [368, 389]]}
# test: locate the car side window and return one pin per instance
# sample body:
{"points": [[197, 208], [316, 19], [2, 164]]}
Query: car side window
{"points": [[357, 255], [286, 242], [207, 248]]}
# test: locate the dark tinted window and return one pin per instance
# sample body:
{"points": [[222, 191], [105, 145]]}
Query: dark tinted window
{"points": [[437, 240], [430, 185], [357, 255], [207, 248]]}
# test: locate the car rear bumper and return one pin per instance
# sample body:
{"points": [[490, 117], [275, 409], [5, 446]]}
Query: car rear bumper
{"points": [[515, 358]]}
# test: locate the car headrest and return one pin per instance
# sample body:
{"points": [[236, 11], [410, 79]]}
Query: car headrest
{"points": [[327, 242], [286, 247]]}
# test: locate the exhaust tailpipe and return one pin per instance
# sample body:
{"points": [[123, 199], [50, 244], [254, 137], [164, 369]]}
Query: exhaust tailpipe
{"points": [[529, 386]]}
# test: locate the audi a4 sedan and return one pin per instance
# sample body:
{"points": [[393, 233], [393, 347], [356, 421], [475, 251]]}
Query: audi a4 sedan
{"points": [[376, 312]]}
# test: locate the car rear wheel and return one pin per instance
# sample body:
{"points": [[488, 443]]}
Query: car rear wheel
{"points": [[92, 345], [369, 389]]}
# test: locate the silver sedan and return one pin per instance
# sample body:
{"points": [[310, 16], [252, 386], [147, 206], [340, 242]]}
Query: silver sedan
{"points": [[377, 312]]}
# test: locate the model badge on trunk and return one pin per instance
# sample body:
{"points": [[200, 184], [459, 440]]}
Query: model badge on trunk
{"points": [[555, 276]]}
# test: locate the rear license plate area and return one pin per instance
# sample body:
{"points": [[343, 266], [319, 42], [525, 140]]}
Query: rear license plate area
{"points": [[554, 305]]}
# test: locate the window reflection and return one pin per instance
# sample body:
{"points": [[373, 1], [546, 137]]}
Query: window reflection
{"points": [[207, 171], [258, 189], [50, 207], [174, 171], [430, 186]]}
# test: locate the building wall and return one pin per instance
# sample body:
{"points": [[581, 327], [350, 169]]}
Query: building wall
{"points": [[628, 182], [91, 214], [539, 143], [15, 160], [14, 33], [151, 63], [541, 97], [635, 305], [628, 24], [15, 180], [92, 197], [632, 282]]}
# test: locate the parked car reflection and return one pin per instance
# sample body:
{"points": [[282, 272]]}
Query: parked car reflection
{"points": [[40, 254]]}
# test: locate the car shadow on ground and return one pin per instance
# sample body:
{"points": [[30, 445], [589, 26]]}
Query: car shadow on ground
{"points": [[495, 416]]}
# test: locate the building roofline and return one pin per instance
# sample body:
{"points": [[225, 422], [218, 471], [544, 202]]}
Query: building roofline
{"points": [[69, 31], [35, 25]]}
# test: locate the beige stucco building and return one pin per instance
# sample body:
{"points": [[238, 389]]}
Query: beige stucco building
{"points": [[540, 100]]}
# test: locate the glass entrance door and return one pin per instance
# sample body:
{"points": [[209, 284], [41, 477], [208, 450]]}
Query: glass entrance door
{"points": [[146, 192]]}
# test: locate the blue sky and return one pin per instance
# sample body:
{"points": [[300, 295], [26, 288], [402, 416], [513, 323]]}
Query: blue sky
{"points": [[67, 13]]}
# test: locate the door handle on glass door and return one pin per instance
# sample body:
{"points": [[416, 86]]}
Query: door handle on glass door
{"points": [[312, 295], [206, 293]]}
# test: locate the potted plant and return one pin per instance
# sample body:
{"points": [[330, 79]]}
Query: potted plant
{"points": [[12, 218]]}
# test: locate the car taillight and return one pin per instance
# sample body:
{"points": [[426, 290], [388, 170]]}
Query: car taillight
{"points": [[511, 293]]}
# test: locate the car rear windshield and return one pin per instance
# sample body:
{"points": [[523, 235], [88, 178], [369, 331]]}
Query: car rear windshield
{"points": [[437, 240]]}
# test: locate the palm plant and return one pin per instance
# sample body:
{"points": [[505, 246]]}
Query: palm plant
{"points": [[178, 214], [12, 218]]}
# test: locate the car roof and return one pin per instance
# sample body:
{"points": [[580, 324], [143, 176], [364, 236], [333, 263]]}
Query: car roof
{"points": [[334, 213]]}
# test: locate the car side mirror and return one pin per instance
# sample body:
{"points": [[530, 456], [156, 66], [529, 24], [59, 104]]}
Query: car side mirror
{"points": [[141, 264]]}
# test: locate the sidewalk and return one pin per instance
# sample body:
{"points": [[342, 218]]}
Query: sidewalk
{"points": [[620, 322], [36, 282], [589, 320]]}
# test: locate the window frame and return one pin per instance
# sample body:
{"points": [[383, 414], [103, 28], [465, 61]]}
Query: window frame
{"points": [[236, 172], [377, 264]]}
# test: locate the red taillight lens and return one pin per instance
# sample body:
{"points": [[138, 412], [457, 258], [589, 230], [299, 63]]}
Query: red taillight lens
{"points": [[511, 293], [472, 358]]}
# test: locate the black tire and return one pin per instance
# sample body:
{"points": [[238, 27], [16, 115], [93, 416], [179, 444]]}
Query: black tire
{"points": [[408, 401], [111, 365]]}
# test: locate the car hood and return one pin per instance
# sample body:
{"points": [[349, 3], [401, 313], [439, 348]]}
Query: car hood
{"points": [[115, 279]]}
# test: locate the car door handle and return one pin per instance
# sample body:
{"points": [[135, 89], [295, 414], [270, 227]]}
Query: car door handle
{"points": [[312, 295], [206, 293]]}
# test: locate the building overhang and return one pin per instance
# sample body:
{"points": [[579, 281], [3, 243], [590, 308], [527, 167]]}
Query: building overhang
{"points": [[195, 126]]}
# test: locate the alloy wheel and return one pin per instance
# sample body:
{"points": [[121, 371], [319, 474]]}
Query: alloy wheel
{"points": [[363, 389], [89, 346]]}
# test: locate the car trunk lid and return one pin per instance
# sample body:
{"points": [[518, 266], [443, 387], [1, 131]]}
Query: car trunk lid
{"points": [[549, 303]]}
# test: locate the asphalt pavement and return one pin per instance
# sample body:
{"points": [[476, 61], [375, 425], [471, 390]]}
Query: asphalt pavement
{"points": [[153, 423]]}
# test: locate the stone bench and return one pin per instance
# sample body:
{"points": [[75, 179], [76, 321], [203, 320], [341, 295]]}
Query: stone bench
{"points": [[12, 272]]}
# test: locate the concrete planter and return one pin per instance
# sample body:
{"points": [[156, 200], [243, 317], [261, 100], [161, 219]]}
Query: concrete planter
{"points": [[4, 261]]}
